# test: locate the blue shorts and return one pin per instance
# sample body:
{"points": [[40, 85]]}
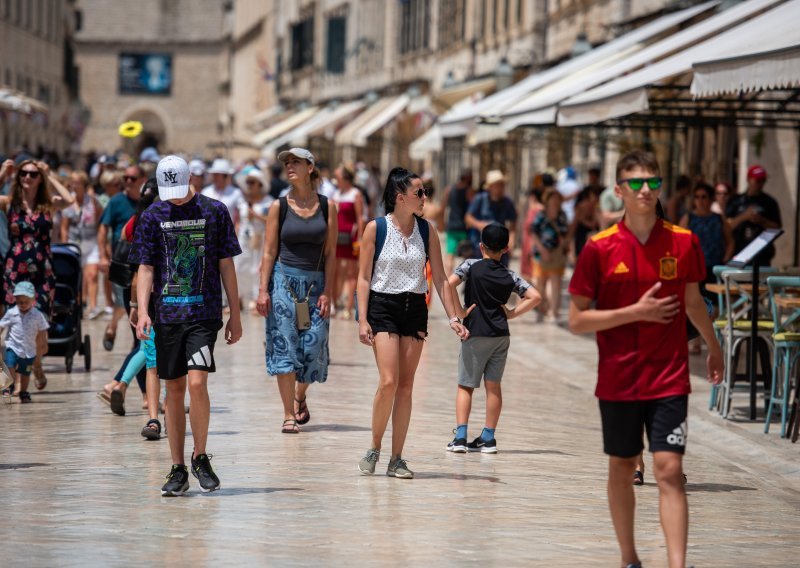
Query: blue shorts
{"points": [[22, 365], [149, 348]]}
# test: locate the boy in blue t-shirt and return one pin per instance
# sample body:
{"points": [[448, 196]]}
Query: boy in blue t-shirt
{"points": [[489, 285], [184, 245]]}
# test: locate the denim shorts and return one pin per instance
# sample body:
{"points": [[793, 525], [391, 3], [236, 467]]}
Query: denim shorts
{"points": [[22, 365], [403, 314]]}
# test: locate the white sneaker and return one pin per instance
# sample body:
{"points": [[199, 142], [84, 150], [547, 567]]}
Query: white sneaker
{"points": [[95, 313]]}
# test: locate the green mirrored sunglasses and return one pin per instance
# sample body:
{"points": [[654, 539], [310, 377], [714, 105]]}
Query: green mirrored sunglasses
{"points": [[636, 184]]}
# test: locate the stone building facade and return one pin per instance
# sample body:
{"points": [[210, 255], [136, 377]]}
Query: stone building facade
{"points": [[164, 63], [38, 90]]}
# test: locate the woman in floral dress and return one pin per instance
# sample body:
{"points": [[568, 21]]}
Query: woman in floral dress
{"points": [[29, 208]]}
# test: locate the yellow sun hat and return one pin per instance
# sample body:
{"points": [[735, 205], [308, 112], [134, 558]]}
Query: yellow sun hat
{"points": [[130, 129]]}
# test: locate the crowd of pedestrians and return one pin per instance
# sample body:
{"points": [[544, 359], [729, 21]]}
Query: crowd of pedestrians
{"points": [[297, 245]]}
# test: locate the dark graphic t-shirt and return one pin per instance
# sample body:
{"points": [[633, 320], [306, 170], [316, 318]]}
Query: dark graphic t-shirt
{"points": [[184, 244], [489, 287]]}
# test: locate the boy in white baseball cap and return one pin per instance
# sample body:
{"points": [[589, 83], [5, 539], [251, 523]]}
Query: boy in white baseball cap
{"points": [[190, 238]]}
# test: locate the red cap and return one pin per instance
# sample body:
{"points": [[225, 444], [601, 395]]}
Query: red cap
{"points": [[757, 172]]}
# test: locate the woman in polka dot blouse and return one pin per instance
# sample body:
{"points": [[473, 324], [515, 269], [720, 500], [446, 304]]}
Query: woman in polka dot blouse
{"points": [[392, 295]]}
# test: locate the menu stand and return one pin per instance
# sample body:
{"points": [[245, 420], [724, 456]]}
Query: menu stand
{"points": [[750, 255]]}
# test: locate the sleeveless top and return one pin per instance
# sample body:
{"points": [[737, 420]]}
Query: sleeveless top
{"points": [[302, 241], [709, 232], [401, 266]]}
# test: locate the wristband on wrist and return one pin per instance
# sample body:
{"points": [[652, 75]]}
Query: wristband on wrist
{"points": [[134, 304]]}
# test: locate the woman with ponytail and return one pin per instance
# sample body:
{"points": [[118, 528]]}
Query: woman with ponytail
{"points": [[391, 298]]}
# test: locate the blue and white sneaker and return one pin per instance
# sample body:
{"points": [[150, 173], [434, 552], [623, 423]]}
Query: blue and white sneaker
{"points": [[457, 446]]}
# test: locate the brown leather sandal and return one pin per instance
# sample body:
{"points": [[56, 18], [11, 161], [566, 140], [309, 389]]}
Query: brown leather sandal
{"points": [[290, 426]]}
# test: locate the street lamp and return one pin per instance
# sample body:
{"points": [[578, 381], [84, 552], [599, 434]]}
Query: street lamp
{"points": [[504, 74], [581, 45], [449, 81]]}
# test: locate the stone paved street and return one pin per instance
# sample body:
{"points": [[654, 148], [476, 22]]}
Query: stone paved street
{"points": [[82, 487]]}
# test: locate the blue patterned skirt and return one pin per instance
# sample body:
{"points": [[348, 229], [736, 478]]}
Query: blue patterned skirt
{"points": [[288, 349]]}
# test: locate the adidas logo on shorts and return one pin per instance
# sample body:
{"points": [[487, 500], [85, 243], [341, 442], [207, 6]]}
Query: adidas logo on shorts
{"points": [[679, 435]]}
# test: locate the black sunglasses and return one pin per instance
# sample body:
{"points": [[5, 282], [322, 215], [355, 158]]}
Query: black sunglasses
{"points": [[654, 183], [129, 178], [33, 174], [422, 191]]}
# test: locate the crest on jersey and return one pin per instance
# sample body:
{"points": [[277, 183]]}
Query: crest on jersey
{"points": [[668, 268]]}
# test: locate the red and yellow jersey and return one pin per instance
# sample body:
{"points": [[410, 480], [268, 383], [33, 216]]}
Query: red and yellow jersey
{"points": [[640, 360]]}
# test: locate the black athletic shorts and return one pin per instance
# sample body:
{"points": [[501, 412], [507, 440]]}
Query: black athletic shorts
{"points": [[664, 419], [404, 314], [184, 346]]}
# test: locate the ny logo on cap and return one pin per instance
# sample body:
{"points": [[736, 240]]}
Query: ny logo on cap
{"points": [[171, 176]]}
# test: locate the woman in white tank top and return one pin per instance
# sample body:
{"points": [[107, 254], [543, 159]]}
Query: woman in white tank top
{"points": [[394, 321]]}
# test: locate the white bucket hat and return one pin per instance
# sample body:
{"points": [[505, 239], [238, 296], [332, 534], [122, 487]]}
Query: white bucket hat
{"points": [[221, 166]]}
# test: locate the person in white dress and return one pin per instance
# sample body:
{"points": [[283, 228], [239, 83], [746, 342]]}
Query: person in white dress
{"points": [[253, 217], [221, 189]]}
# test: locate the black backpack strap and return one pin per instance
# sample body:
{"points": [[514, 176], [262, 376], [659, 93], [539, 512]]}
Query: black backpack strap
{"points": [[323, 203], [424, 231], [284, 208], [380, 239]]}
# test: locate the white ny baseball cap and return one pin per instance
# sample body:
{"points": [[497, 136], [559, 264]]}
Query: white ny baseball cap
{"points": [[172, 174]]}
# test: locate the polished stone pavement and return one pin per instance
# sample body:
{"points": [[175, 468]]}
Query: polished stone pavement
{"points": [[81, 486]]}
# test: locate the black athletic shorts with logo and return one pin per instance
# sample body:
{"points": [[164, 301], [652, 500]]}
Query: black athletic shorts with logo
{"points": [[184, 346], [664, 419]]}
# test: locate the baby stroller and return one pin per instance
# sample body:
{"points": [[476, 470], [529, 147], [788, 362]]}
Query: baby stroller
{"points": [[64, 335]]}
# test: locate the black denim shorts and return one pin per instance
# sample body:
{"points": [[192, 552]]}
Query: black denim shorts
{"points": [[403, 314]]}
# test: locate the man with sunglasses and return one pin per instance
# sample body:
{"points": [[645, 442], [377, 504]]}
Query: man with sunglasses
{"points": [[120, 209], [634, 285]]}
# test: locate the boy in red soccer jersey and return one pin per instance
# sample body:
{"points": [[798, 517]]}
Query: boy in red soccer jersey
{"points": [[634, 284]]}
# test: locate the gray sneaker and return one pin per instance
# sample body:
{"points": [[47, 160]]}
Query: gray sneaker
{"points": [[367, 464], [398, 468]]}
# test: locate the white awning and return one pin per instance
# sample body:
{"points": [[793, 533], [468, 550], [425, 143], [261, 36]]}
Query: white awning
{"points": [[341, 113], [540, 106], [430, 141], [733, 30], [371, 120], [775, 68], [486, 132], [433, 140], [502, 100], [265, 116], [268, 135], [19, 102], [298, 136], [451, 96]]}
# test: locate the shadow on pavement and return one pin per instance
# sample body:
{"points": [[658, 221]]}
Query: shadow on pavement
{"points": [[4, 466], [535, 452], [334, 428], [716, 488], [247, 491], [46, 392], [457, 477]]}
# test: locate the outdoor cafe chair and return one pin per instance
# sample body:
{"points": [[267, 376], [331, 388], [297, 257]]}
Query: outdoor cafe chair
{"points": [[786, 341], [721, 322], [737, 331]]}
